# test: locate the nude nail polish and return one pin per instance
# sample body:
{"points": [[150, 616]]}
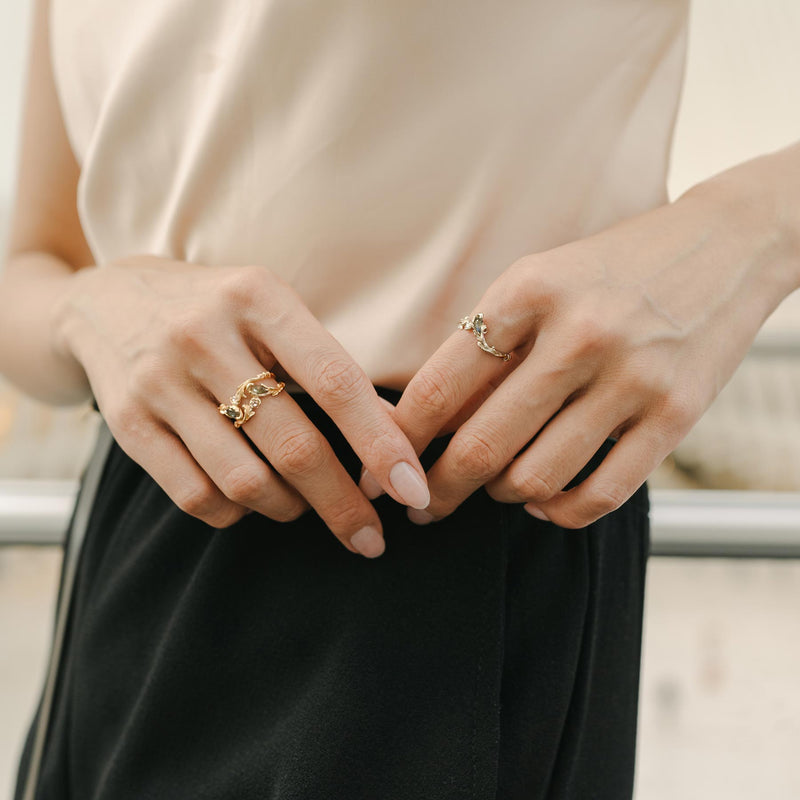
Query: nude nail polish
{"points": [[407, 482], [418, 516], [536, 512], [368, 542], [370, 486]]}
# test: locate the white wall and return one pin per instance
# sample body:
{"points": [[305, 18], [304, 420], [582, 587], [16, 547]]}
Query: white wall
{"points": [[742, 91]]}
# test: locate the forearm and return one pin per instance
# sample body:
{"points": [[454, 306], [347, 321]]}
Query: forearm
{"points": [[757, 206], [32, 287]]}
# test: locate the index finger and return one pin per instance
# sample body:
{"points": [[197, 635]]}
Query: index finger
{"points": [[448, 382], [319, 363]]}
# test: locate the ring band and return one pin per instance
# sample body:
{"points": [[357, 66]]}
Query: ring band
{"points": [[247, 398], [479, 328]]}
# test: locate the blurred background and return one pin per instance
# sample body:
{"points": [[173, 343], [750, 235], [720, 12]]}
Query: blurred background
{"points": [[720, 713]]}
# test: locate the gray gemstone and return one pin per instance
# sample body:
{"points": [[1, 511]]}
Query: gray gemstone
{"points": [[259, 389]]}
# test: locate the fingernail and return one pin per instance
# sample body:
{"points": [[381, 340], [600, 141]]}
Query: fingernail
{"points": [[368, 542], [370, 486], [536, 512], [418, 516], [407, 482]]}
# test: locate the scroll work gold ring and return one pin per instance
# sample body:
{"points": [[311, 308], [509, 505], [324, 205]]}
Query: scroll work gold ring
{"points": [[479, 328], [247, 398]]}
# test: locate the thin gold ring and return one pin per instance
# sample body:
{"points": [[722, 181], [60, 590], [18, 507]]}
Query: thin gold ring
{"points": [[247, 398], [479, 328]]}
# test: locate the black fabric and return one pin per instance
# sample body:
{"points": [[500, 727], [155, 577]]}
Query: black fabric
{"points": [[489, 655]]}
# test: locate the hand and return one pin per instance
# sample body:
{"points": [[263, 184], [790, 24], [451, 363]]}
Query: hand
{"points": [[630, 334], [164, 342]]}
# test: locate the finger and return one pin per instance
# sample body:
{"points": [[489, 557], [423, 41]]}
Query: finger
{"points": [[231, 463], [561, 450], [300, 453], [487, 442], [368, 485], [341, 388], [448, 380], [165, 458], [626, 467], [373, 489]]}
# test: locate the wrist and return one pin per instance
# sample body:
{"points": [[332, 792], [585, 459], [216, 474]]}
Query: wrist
{"points": [[757, 207], [67, 324], [34, 284]]}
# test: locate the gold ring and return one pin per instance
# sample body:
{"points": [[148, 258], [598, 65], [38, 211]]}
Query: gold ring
{"points": [[247, 398], [479, 328]]}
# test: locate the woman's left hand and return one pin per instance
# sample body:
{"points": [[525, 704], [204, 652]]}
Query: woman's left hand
{"points": [[629, 333]]}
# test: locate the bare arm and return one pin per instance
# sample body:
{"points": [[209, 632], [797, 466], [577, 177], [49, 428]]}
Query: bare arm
{"points": [[629, 333], [160, 342], [46, 245]]}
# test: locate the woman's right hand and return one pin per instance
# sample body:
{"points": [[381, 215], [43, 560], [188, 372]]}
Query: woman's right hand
{"points": [[163, 342]]}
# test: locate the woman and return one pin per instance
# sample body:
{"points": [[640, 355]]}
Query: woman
{"points": [[276, 209]]}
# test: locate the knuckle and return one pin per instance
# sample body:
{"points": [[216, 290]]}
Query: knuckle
{"points": [[476, 457], [571, 519], [379, 446], [126, 418], [641, 383], [299, 452], [536, 279], [225, 517], [680, 410], [240, 285], [534, 485], [187, 333], [606, 497], [524, 282], [200, 500], [526, 269], [602, 499], [148, 375], [338, 379], [245, 485], [434, 392], [288, 512], [592, 334], [346, 517]]}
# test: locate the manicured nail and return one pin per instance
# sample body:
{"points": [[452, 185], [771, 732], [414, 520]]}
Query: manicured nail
{"points": [[536, 512], [407, 482], [368, 542], [418, 516], [370, 486]]}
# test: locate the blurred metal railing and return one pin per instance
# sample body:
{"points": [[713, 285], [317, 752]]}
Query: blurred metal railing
{"points": [[35, 512], [684, 523]]}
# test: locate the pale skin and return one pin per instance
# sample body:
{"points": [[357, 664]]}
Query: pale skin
{"points": [[160, 342], [631, 332]]}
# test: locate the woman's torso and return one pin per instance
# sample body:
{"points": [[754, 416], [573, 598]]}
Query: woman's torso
{"points": [[388, 159]]}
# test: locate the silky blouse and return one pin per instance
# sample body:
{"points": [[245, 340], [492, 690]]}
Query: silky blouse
{"points": [[389, 160]]}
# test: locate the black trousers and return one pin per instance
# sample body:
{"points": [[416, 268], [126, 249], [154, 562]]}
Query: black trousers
{"points": [[489, 655]]}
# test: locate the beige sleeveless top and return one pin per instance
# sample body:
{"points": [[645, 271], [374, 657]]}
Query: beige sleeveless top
{"points": [[388, 158]]}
